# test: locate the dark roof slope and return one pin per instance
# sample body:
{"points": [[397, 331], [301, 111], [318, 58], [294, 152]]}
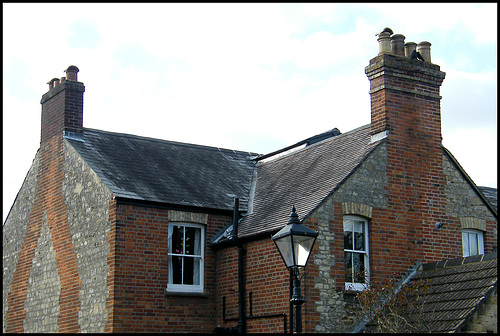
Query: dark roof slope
{"points": [[145, 169], [304, 178], [457, 288], [490, 194]]}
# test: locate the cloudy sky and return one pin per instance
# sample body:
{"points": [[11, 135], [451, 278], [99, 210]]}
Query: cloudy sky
{"points": [[252, 77]]}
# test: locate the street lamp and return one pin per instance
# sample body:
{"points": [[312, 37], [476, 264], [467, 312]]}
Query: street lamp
{"points": [[295, 242]]}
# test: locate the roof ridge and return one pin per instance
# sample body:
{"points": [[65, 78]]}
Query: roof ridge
{"points": [[283, 153], [186, 144], [459, 261]]}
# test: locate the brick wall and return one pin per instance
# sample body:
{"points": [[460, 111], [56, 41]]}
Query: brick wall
{"points": [[141, 274], [406, 103], [266, 277]]}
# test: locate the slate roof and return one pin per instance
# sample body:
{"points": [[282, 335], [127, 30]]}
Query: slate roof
{"points": [[303, 178], [145, 169], [457, 289], [490, 194]]}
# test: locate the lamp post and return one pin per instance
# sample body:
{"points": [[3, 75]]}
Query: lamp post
{"points": [[295, 242]]}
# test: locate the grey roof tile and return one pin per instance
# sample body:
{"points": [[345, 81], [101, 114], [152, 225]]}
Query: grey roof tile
{"points": [[490, 194], [303, 178], [153, 170], [456, 288]]}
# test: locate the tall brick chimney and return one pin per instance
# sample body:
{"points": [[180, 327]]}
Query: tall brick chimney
{"points": [[62, 107], [405, 109]]}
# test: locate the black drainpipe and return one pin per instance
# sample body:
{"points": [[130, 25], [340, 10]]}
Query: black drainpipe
{"points": [[241, 283]]}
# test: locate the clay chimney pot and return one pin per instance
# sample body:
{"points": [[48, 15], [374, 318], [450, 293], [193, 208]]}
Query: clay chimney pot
{"points": [[72, 73]]}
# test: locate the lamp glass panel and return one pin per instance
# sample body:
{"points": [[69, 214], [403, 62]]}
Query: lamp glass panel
{"points": [[302, 247], [284, 245]]}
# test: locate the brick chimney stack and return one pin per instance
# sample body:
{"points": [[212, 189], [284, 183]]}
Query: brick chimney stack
{"points": [[62, 107], [405, 109]]}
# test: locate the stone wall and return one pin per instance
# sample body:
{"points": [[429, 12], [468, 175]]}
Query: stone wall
{"points": [[81, 202], [485, 319], [368, 183], [358, 195], [14, 231], [87, 200], [462, 200], [463, 203], [44, 287]]}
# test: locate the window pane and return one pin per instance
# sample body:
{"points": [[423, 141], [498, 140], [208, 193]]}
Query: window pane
{"points": [[359, 241], [188, 271], [348, 225], [177, 239], [176, 269], [358, 261], [359, 226], [348, 266], [192, 245], [348, 240], [473, 244], [465, 244]]}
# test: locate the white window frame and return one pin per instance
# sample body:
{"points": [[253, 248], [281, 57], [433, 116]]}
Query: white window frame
{"points": [[356, 286], [466, 236], [171, 287]]}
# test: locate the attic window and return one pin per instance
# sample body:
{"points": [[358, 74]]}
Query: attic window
{"points": [[472, 242], [185, 257]]}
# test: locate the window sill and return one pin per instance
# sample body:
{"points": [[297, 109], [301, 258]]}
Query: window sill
{"points": [[186, 294]]}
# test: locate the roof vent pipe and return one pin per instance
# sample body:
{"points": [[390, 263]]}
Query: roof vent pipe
{"points": [[397, 44], [384, 41], [409, 48], [424, 48]]}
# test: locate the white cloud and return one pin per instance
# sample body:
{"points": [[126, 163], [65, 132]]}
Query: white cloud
{"points": [[476, 151], [198, 72]]}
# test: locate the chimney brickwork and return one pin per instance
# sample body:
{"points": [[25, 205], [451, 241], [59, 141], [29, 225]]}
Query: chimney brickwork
{"points": [[405, 106], [62, 106]]}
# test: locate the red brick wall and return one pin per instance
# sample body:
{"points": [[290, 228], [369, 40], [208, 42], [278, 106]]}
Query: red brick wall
{"points": [[406, 231], [110, 300], [490, 239], [267, 277], [141, 272]]}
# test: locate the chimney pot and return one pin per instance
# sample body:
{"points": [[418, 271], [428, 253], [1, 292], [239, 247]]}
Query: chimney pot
{"points": [[51, 83], [56, 82], [409, 48], [397, 44], [384, 41], [424, 48], [72, 73]]}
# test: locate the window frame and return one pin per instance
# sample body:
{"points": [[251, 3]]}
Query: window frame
{"points": [[480, 241], [171, 287], [357, 286]]}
